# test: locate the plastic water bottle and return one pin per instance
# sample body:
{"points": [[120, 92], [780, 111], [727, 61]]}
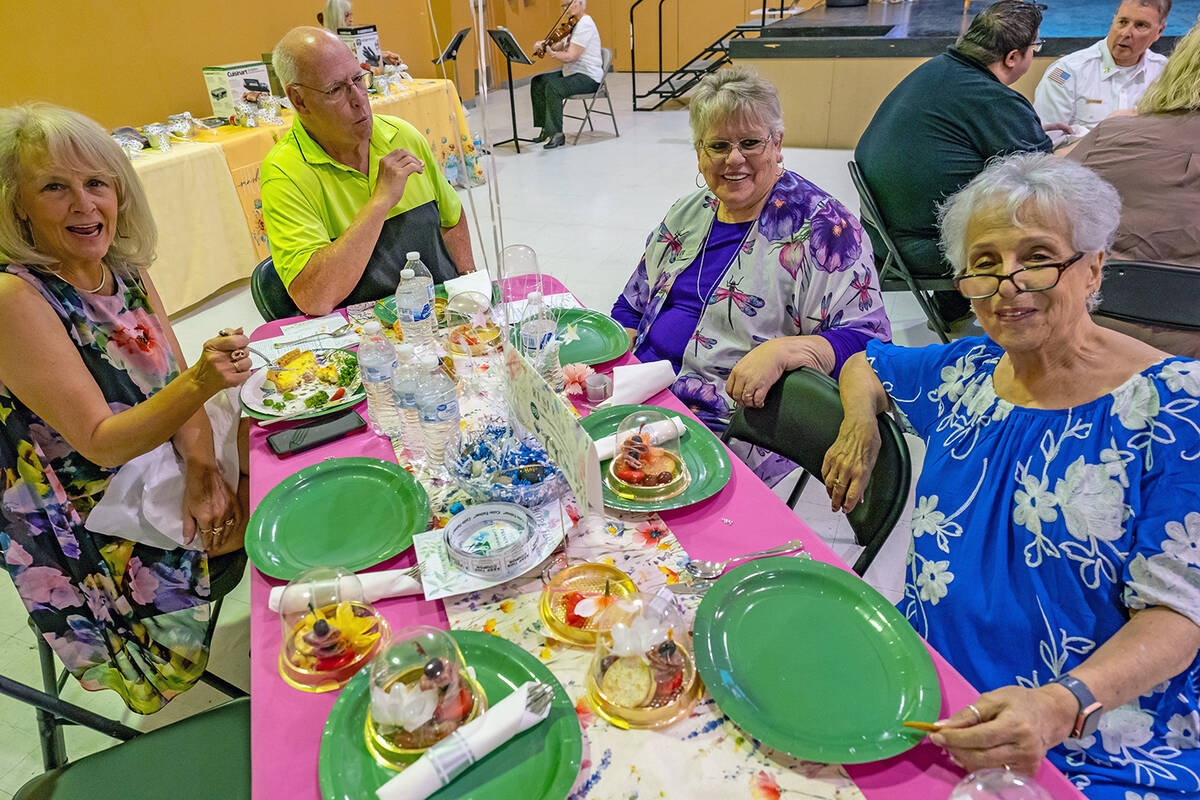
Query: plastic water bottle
{"points": [[404, 391], [414, 303], [437, 401], [539, 340], [377, 362]]}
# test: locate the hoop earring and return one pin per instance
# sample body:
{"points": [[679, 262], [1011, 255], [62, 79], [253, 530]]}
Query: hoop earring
{"points": [[700, 183]]}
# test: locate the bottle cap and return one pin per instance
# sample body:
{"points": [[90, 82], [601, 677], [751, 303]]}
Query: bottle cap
{"points": [[372, 326], [407, 273], [405, 350], [534, 297], [413, 255], [429, 361]]}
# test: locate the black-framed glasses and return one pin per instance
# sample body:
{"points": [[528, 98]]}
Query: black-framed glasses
{"points": [[723, 149], [1037, 45], [979, 285], [343, 89]]}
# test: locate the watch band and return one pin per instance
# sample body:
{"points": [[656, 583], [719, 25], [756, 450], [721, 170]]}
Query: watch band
{"points": [[1088, 718]]}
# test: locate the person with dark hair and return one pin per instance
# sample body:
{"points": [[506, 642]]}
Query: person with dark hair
{"points": [[938, 128], [1084, 87]]}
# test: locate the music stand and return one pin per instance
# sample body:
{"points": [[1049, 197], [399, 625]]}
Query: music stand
{"points": [[511, 52], [451, 54]]}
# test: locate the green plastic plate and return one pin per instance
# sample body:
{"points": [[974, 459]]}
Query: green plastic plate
{"points": [[345, 512], [385, 309], [810, 660], [706, 458], [540, 763], [587, 337]]}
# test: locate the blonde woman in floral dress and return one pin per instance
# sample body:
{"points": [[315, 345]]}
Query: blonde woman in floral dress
{"points": [[91, 377], [1056, 541]]}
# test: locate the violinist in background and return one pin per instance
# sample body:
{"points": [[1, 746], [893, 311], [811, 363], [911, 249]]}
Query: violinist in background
{"points": [[578, 47]]}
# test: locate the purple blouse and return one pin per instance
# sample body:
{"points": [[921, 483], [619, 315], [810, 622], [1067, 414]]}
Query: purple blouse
{"points": [[676, 322]]}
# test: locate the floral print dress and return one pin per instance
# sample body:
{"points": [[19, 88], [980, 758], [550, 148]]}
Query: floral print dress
{"points": [[119, 615], [805, 267], [1037, 531]]}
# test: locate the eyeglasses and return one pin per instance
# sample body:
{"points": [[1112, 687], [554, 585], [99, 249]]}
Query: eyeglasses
{"points": [[342, 91], [748, 147], [977, 286], [1037, 45]]}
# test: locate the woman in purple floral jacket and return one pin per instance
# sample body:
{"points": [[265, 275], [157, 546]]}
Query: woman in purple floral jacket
{"points": [[91, 377], [757, 273]]}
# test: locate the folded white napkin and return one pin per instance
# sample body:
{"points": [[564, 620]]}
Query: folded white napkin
{"points": [[375, 585], [448, 758], [659, 431], [478, 281], [144, 500], [636, 383]]}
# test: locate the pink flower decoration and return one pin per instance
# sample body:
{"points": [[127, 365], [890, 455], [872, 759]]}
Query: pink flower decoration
{"points": [[574, 376]]}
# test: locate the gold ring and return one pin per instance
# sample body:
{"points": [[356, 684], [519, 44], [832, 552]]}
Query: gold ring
{"points": [[978, 716], [837, 481], [208, 531]]}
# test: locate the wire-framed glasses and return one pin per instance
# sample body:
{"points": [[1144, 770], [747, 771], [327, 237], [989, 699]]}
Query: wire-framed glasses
{"points": [[720, 148], [343, 89], [1039, 278]]}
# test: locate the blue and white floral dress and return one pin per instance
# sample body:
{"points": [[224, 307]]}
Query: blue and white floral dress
{"points": [[1036, 532]]}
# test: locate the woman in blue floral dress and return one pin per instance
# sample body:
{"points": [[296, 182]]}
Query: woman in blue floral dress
{"points": [[756, 273], [89, 379], [1056, 540]]}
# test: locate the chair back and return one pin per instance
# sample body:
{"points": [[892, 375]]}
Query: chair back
{"points": [[271, 297], [1151, 293], [605, 61], [799, 420]]}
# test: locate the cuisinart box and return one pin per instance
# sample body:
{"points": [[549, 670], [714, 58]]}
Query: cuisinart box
{"points": [[228, 82], [363, 41]]}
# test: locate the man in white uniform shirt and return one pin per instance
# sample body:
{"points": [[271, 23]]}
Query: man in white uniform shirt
{"points": [[582, 71], [1084, 87]]}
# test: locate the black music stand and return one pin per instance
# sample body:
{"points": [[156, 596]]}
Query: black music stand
{"points": [[451, 54], [511, 52]]}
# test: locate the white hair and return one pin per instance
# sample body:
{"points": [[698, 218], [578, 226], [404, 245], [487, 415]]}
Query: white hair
{"points": [[1037, 186], [730, 92], [335, 14]]}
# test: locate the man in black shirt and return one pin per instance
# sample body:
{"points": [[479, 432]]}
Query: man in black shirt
{"points": [[938, 128]]}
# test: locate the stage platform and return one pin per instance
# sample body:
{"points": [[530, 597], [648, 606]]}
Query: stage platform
{"points": [[834, 66]]}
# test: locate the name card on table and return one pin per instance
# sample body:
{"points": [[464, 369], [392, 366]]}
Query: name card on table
{"points": [[548, 417]]}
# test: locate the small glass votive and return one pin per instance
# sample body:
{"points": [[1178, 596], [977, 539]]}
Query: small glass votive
{"points": [[599, 387]]}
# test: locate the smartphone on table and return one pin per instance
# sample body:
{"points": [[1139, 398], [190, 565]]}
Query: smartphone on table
{"points": [[317, 432]]}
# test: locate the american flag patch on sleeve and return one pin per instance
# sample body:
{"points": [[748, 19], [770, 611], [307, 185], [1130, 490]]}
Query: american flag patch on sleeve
{"points": [[1059, 75]]}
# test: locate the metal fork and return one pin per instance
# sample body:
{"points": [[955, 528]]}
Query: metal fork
{"points": [[538, 698], [414, 572]]}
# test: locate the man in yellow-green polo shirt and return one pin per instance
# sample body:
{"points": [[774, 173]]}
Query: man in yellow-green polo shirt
{"points": [[346, 194]]}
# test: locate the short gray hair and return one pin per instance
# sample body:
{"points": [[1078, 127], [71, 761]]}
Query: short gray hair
{"points": [[1029, 186], [731, 92], [67, 139]]}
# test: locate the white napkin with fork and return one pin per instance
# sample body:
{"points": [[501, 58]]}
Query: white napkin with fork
{"points": [[449, 757], [375, 585]]}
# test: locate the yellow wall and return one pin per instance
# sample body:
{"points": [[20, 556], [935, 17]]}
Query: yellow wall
{"points": [[828, 102], [136, 61]]}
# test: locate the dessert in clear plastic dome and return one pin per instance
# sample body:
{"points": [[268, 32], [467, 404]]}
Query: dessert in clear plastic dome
{"points": [[470, 329], [648, 464], [574, 600], [642, 674], [421, 692], [329, 629]]}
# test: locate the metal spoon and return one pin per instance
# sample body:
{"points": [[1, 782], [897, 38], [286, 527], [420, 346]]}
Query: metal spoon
{"points": [[713, 569]]}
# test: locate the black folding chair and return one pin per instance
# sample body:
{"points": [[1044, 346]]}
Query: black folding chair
{"points": [[799, 420], [1151, 293], [589, 100], [271, 297], [894, 274], [225, 572]]}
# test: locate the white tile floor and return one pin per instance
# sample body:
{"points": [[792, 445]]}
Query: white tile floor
{"points": [[586, 210]]}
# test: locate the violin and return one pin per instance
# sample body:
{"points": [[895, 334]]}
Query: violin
{"points": [[559, 32]]}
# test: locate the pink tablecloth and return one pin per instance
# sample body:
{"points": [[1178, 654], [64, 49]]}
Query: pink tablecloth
{"points": [[286, 724]]}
